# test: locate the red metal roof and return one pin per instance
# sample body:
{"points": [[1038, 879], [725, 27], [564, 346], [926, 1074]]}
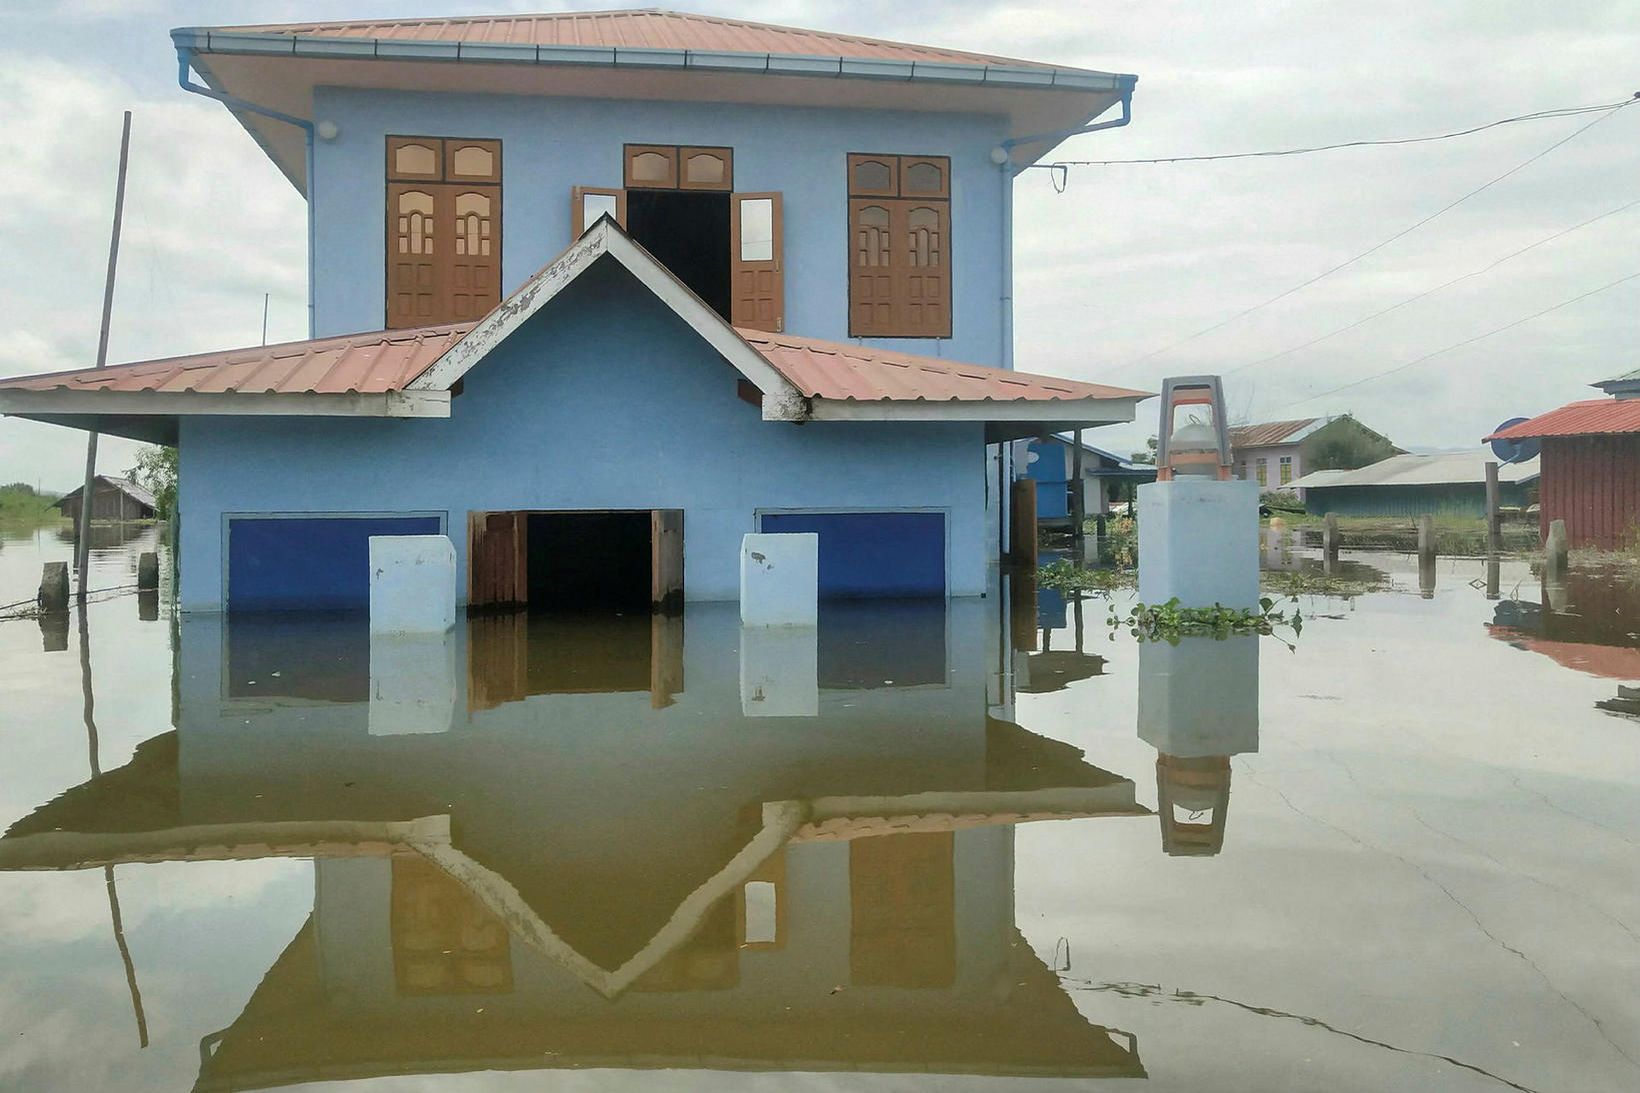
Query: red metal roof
{"points": [[1592, 417], [390, 360], [374, 362], [837, 370], [1267, 433], [637, 29]]}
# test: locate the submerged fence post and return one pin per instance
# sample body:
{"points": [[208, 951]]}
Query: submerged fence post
{"points": [[1556, 550], [1329, 536], [1494, 530], [54, 587], [1426, 555]]}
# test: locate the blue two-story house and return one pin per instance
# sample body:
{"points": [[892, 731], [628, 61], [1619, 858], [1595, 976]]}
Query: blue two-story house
{"points": [[597, 294]]}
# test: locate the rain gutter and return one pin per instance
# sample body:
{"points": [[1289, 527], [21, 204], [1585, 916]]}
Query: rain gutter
{"points": [[186, 59], [1125, 85], [1025, 77]]}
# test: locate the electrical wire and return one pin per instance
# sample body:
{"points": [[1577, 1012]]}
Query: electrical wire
{"points": [[1430, 292], [1564, 112], [1403, 233], [1459, 345]]}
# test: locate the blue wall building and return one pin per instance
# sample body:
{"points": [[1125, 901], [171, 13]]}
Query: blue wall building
{"points": [[595, 305]]}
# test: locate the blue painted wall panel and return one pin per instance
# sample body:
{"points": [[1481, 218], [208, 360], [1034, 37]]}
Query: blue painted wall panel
{"points": [[550, 145], [605, 400], [311, 563], [873, 554]]}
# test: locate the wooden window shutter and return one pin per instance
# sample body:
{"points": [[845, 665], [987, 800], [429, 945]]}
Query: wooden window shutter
{"points": [[588, 203], [757, 282], [899, 246], [651, 166], [443, 230]]}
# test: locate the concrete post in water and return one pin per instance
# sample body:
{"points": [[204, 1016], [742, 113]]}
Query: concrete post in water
{"points": [[1426, 555], [780, 579], [1494, 530], [1329, 536], [1556, 549], [412, 584], [1493, 573], [147, 571], [54, 587]]}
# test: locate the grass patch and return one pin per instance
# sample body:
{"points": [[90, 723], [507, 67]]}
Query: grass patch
{"points": [[1066, 576], [22, 506], [1292, 584]]}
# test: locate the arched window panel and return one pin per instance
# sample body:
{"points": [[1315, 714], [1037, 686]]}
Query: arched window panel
{"points": [[871, 236], [651, 166], [414, 157], [925, 176], [473, 224], [870, 176], [415, 222], [925, 243], [707, 169], [474, 161]]}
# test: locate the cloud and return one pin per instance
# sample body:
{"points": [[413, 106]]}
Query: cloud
{"points": [[208, 230]]}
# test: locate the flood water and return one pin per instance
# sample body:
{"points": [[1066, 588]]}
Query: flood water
{"points": [[930, 846]]}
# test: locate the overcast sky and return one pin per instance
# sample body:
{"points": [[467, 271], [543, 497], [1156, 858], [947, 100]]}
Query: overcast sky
{"points": [[1127, 261]]}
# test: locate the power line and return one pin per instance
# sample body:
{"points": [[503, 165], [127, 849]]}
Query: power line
{"points": [[1430, 292], [1564, 112], [1460, 345], [1404, 232]]}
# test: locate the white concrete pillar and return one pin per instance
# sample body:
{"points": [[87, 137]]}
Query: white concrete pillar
{"points": [[1198, 542], [780, 579], [412, 584]]}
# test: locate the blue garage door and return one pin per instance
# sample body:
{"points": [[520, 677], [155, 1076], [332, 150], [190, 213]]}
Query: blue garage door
{"points": [[311, 563], [873, 554]]}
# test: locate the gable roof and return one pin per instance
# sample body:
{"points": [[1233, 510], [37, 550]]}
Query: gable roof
{"points": [[1591, 417], [1265, 434], [137, 493], [650, 55], [409, 373]]}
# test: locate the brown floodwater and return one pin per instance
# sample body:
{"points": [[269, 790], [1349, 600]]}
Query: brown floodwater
{"points": [[967, 846]]}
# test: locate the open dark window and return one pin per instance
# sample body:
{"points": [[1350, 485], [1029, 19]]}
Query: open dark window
{"points": [[678, 203]]}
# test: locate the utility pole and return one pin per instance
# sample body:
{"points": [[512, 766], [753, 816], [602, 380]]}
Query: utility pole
{"points": [[82, 545], [265, 296]]}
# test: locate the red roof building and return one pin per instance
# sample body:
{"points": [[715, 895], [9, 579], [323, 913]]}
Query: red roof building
{"points": [[1590, 469]]}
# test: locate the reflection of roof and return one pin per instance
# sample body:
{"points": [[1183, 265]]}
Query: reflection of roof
{"points": [[1591, 417], [1607, 661], [289, 1032], [635, 29], [1442, 469], [1266, 433]]}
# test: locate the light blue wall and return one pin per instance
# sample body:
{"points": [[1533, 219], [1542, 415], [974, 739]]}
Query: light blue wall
{"points": [[550, 145], [605, 400]]}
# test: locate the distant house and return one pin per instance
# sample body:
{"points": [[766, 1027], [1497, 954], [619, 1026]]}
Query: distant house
{"points": [[1591, 464], [111, 499], [1106, 477], [1445, 484], [1275, 454]]}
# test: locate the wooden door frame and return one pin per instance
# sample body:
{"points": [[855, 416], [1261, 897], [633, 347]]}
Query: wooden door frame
{"points": [[666, 569]]}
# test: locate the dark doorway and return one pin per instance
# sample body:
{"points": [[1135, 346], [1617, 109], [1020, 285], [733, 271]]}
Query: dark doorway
{"points": [[688, 232], [589, 561]]}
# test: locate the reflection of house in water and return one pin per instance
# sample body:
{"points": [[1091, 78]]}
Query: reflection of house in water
{"points": [[1586, 621], [1198, 706], [574, 874], [1042, 618]]}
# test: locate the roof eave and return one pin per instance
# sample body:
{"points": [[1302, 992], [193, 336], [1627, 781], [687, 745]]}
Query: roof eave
{"points": [[85, 409]]}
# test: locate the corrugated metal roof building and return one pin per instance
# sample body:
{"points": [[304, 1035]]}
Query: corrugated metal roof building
{"points": [[1442, 484], [1591, 467]]}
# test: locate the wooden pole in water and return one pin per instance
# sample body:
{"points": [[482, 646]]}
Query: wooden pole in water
{"points": [[82, 545], [1079, 501], [1494, 532]]}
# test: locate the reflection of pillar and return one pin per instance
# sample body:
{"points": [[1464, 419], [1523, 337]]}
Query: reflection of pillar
{"points": [[1198, 705], [412, 683], [779, 671], [1426, 576], [1186, 790], [1022, 610], [1556, 596]]}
